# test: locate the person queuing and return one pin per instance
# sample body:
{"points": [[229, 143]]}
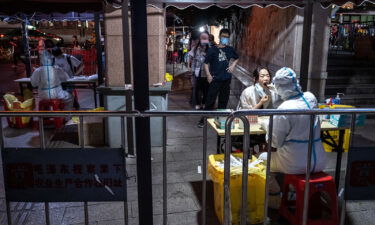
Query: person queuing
{"points": [[75, 43], [17, 50], [199, 78], [48, 78], [290, 135], [41, 45], [70, 64], [220, 63], [261, 95]]}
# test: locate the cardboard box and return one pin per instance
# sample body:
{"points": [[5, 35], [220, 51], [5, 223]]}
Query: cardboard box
{"points": [[93, 131]]}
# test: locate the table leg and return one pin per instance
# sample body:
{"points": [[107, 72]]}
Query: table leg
{"points": [[95, 97], [218, 144], [340, 150]]}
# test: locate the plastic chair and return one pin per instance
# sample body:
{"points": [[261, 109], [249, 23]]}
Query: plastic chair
{"points": [[54, 105], [323, 207]]}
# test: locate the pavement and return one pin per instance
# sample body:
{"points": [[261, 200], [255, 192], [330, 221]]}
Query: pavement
{"points": [[184, 163]]}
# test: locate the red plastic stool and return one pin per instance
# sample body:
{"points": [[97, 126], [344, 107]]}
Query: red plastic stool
{"points": [[323, 208], [55, 105]]}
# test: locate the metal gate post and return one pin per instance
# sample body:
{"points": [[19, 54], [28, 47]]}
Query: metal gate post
{"points": [[7, 203], [123, 146], [26, 47], [228, 148], [99, 50], [127, 75], [245, 168], [268, 171], [343, 204], [308, 171], [43, 147], [165, 203], [82, 144], [204, 170], [142, 103]]}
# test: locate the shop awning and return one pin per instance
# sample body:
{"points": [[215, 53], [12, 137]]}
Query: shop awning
{"points": [[65, 6], [203, 4]]}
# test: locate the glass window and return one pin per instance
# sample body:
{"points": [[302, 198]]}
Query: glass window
{"points": [[355, 18]]}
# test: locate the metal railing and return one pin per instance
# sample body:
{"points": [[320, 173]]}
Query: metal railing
{"points": [[205, 114]]}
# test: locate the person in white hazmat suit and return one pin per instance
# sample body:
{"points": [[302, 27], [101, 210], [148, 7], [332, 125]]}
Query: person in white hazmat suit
{"points": [[291, 132], [48, 78], [261, 95]]}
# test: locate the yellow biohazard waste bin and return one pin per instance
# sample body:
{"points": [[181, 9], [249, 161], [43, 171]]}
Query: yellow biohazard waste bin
{"points": [[335, 136], [339, 120], [12, 103], [255, 188]]}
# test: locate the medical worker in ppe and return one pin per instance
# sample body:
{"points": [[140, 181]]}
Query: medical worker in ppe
{"points": [[48, 78], [261, 95], [291, 132]]}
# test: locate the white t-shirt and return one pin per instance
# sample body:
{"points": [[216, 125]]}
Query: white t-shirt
{"points": [[62, 62]]}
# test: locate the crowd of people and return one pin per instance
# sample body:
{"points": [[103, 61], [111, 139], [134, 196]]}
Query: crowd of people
{"points": [[343, 36], [211, 67]]}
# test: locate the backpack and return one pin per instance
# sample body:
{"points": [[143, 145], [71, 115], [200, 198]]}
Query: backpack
{"points": [[73, 69], [68, 59]]}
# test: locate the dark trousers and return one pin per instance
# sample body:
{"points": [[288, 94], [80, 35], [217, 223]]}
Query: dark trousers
{"points": [[200, 87], [16, 57], [217, 88]]}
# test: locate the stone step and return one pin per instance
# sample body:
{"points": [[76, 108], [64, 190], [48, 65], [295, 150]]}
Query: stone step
{"points": [[347, 60], [348, 89], [348, 68], [350, 80]]}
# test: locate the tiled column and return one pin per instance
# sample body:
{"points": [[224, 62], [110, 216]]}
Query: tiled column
{"points": [[114, 50], [319, 51], [156, 44]]}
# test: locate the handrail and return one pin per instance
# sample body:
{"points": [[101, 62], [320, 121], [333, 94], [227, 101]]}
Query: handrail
{"points": [[259, 112]]}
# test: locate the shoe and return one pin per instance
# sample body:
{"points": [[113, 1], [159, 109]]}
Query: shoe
{"points": [[201, 123]]}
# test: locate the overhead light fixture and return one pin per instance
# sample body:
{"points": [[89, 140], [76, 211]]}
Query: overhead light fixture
{"points": [[202, 29]]}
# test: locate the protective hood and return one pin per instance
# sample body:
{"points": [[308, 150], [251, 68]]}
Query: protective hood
{"points": [[286, 83]]}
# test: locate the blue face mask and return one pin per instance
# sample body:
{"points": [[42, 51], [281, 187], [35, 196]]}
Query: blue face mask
{"points": [[224, 40]]}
